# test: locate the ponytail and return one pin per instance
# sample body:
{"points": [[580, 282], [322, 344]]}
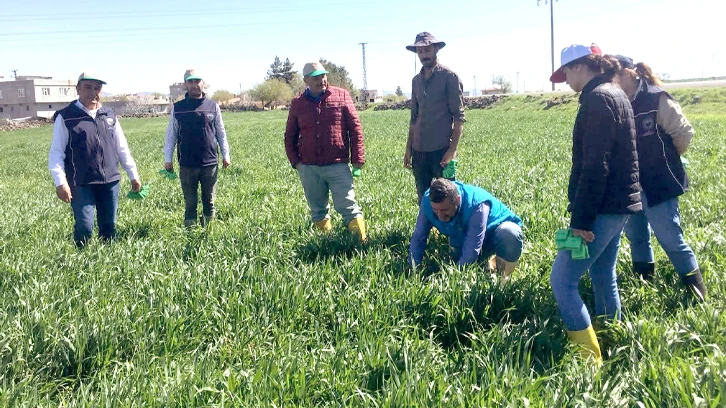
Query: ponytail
{"points": [[606, 65], [644, 71]]}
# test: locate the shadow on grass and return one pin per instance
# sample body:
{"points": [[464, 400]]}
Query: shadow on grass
{"points": [[523, 306], [341, 243], [136, 231]]}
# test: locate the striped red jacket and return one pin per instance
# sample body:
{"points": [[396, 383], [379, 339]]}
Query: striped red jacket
{"points": [[324, 132]]}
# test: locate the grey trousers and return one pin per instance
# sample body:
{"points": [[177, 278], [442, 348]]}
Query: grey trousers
{"points": [[191, 178], [319, 181]]}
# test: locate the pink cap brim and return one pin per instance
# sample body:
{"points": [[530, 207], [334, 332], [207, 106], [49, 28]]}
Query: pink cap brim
{"points": [[558, 77]]}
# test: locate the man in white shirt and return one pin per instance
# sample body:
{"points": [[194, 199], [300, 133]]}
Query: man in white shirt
{"points": [[88, 145], [196, 129]]}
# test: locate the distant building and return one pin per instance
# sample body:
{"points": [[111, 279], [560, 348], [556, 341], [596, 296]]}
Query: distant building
{"points": [[139, 104], [491, 91], [373, 95], [35, 96], [177, 91]]}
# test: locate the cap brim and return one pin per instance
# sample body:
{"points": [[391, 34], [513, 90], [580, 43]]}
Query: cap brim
{"points": [[317, 72], [92, 79], [191, 77], [558, 76]]}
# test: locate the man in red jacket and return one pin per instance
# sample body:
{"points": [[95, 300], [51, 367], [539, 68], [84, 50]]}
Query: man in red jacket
{"points": [[322, 136]]}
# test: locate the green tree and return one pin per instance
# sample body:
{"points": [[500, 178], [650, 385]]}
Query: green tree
{"points": [[504, 85], [222, 95], [399, 91], [272, 92], [393, 98], [338, 76], [297, 84], [281, 70]]}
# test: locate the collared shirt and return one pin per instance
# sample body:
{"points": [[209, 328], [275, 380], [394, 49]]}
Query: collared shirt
{"points": [[311, 96], [436, 103], [57, 153], [172, 131]]}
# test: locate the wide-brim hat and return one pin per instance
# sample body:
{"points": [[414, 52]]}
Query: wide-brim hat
{"points": [[572, 53], [425, 39]]}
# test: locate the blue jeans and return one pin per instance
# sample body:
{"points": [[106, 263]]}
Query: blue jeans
{"points": [[505, 242], [103, 198], [665, 221], [320, 181], [566, 274]]}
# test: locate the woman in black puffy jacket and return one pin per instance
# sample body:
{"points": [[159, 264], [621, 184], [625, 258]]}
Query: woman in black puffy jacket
{"points": [[603, 191]]}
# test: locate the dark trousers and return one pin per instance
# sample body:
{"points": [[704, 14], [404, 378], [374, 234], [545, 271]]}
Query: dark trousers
{"points": [[191, 178], [101, 199], [426, 166]]}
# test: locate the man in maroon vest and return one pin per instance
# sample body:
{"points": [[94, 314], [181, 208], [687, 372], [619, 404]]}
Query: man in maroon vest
{"points": [[322, 136]]}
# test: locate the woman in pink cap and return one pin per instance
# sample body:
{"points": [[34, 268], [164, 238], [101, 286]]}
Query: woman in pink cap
{"points": [[603, 190]]}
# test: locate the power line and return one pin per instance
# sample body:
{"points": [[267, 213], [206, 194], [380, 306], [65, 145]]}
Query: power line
{"points": [[169, 13]]}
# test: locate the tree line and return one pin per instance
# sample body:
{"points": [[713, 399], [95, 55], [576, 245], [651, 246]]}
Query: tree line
{"points": [[283, 83]]}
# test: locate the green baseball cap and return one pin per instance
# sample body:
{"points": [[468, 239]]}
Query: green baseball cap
{"points": [[191, 74], [313, 69], [86, 76]]}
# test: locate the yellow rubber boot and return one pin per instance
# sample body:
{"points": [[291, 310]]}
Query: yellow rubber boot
{"points": [[324, 225], [358, 227], [587, 342]]}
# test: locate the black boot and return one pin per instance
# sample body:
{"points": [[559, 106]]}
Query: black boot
{"points": [[644, 269], [694, 282]]}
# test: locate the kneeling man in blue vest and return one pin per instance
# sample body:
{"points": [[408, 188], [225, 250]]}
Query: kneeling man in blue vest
{"points": [[479, 227]]}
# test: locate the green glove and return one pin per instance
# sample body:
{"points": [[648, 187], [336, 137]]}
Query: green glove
{"points": [[140, 195], [168, 174], [356, 171], [449, 171], [565, 240], [685, 162]]}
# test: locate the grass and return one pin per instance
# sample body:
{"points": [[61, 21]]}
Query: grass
{"points": [[261, 310], [695, 101]]}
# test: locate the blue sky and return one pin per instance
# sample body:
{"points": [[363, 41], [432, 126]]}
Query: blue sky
{"points": [[146, 45]]}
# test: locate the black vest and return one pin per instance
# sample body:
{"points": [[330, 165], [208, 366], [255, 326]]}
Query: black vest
{"points": [[91, 156], [196, 139], [662, 174]]}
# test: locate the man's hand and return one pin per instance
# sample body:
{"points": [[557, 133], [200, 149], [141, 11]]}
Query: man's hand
{"points": [[135, 186], [169, 166], [64, 193], [407, 159], [588, 236], [448, 156], [358, 165], [226, 163]]}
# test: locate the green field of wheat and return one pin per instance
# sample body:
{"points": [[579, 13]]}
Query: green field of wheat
{"points": [[260, 309]]}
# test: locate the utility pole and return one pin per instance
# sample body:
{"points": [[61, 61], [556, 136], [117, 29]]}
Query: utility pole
{"points": [[364, 91], [517, 81], [552, 37]]}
